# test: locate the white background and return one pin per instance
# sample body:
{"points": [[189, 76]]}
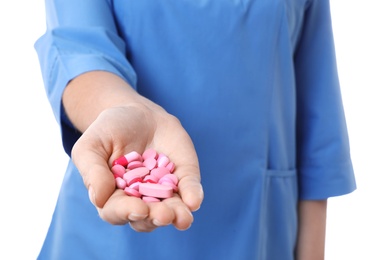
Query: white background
{"points": [[33, 160]]}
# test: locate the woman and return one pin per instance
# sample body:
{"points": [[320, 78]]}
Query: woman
{"points": [[243, 92]]}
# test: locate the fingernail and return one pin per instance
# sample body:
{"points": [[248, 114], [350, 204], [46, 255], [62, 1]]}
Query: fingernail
{"points": [[156, 222], [188, 211], [198, 199], [135, 216], [91, 195], [184, 229]]}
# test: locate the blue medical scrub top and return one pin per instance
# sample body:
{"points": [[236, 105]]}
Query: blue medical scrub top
{"points": [[255, 84]]}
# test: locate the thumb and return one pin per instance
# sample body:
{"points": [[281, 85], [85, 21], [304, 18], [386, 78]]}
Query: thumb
{"points": [[95, 172], [100, 184], [190, 188]]}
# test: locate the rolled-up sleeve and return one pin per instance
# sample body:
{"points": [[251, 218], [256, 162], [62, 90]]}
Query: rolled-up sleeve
{"points": [[324, 163], [81, 36]]}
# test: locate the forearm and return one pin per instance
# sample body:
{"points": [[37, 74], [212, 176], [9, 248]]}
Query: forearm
{"points": [[89, 94], [311, 232]]}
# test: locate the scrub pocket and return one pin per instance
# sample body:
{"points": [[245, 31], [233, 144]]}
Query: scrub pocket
{"points": [[279, 214]]}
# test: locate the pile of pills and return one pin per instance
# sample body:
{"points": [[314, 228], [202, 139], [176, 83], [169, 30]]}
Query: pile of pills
{"points": [[148, 176]]}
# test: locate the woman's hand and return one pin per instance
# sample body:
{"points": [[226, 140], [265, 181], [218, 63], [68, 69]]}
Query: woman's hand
{"points": [[118, 130]]}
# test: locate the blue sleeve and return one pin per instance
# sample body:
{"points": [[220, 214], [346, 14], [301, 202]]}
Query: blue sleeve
{"points": [[324, 163], [81, 36]]}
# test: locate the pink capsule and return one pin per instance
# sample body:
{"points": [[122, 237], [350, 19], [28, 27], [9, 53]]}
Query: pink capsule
{"points": [[162, 161], [118, 170], [170, 184], [135, 185], [150, 163], [169, 178], [132, 192], [125, 159], [134, 164], [130, 179], [149, 153], [121, 161], [171, 166], [156, 190], [150, 199], [140, 172], [150, 178], [133, 156], [120, 183], [159, 172]]}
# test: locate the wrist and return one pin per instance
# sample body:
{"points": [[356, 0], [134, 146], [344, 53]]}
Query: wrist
{"points": [[89, 94]]}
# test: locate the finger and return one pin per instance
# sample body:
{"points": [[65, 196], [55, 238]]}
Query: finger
{"points": [[142, 226], [121, 209], [94, 170], [160, 214], [188, 172], [190, 188], [183, 216]]}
